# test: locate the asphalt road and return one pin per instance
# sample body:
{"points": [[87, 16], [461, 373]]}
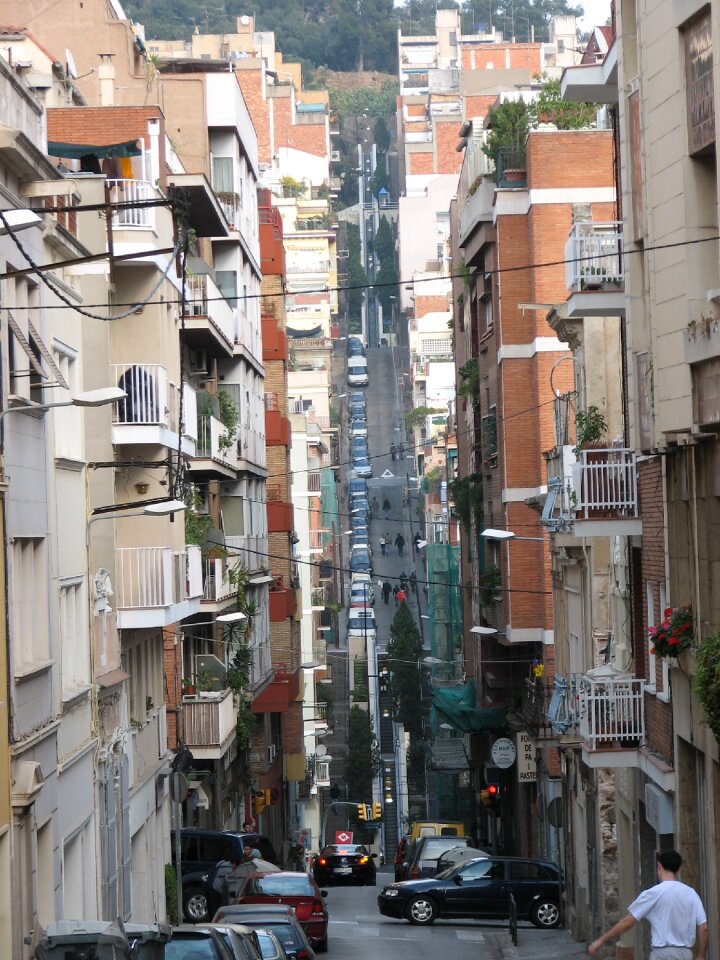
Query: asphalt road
{"points": [[358, 931]]}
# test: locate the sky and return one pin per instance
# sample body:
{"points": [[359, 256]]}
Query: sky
{"points": [[596, 12]]}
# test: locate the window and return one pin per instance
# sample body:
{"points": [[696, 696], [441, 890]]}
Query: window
{"points": [[526, 870], [488, 869], [232, 515], [561, 46], [30, 608], [74, 643], [143, 661], [68, 421], [227, 284]]}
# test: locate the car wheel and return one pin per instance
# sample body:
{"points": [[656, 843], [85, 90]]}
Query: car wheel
{"points": [[195, 905], [421, 910], [545, 914], [322, 946]]}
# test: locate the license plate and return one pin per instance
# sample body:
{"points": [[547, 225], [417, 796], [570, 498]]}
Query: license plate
{"points": [[342, 870]]}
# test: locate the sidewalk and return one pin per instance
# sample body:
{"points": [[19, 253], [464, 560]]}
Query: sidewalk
{"points": [[534, 944]]}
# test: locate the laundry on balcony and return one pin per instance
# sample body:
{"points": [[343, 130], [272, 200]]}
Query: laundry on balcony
{"points": [[456, 705], [562, 713]]}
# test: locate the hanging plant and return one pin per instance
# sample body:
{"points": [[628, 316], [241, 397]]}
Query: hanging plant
{"points": [[707, 681], [675, 634]]}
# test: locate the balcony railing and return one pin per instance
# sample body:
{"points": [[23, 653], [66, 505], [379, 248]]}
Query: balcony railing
{"points": [[213, 440], [204, 299], [130, 192], [216, 582], [593, 254], [605, 484], [155, 577], [209, 724], [152, 400], [314, 266], [605, 706]]}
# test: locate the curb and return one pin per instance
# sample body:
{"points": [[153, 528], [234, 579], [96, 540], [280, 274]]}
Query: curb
{"points": [[533, 947]]}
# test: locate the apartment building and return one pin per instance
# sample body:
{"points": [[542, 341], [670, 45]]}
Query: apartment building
{"points": [[664, 790]]}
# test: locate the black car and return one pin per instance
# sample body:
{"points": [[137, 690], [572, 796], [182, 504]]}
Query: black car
{"points": [[187, 942], [279, 918], [344, 863], [422, 858], [480, 889]]}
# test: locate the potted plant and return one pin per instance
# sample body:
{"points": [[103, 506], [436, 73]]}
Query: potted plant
{"points": [[675, 634], [189, 688]]}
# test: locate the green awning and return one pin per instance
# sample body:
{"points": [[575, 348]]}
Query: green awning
{"points": [[456, 705], [76, 151]]}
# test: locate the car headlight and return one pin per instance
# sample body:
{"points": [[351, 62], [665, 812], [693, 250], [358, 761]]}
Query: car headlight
{"points": [[390, 892]]}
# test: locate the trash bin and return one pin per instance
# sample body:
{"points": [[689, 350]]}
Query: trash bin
{"points": [[101, 940]]}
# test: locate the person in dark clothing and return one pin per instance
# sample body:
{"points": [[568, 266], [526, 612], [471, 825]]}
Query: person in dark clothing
{"points": [[396, 591], [417, 538], [386, 507], [400, 544], [403, 581], [413, 582], [386, 591], [401, 451], [393, 451]]}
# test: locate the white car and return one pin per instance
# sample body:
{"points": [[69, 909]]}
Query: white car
{"points": [[360, 622], [358, 428]]}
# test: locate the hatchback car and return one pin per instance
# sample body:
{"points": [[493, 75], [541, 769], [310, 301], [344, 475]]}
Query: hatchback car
{"points": [[345, 863], [357, 487], [358, 428], [357, 411], [297, 890], [278, 918], [270, 946], [362, 594], [401, 854], [362, 466], [359, 445], [361, 538], [241, 942], [356, 396], [361, 508], [480, 889], [360, 561], [192, 942]]}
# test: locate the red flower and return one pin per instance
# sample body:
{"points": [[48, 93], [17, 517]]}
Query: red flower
{"points": [[674, 640], [667, 612]]}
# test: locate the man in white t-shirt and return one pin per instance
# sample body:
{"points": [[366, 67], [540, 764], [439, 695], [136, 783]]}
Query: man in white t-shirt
{"points": [[674, 911]]}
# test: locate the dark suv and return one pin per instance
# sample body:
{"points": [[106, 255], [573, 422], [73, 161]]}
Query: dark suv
{"points": [[200, 850]]}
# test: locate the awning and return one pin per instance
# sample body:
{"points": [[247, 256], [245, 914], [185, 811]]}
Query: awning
{"points": [[310, 334], [456, 705], [75, 151]]}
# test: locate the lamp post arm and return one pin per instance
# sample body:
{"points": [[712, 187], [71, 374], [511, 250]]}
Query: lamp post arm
{"points": [[39, 407]]}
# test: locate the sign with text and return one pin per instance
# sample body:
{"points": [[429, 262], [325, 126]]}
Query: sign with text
{"points": [[343, 836], [526, 766], [503, 753]]}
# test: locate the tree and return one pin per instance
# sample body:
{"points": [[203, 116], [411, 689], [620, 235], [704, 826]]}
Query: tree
{"points": [[387, 276], [381, 135], [520, 19], [357, 278], [404, 653], [363, 762], [508, 126]]}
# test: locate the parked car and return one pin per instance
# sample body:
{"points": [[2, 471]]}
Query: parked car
{"points": [[355, 346], [357, 411], [436, 828], [424, 852], [480, 889], [270, 946], [401, 855], [356, 396], [361, 538], [192, 942], [200, 851], [277, 917], [345, 863], [361, 508], [241, 942], [297, 890], [358, 428], [357, 487], [360, 622], [359, 445], [361, 594], [362, 466], [360, 561]]}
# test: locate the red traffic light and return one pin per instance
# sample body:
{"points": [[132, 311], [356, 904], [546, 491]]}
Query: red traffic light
{"points": [[493, 789]]}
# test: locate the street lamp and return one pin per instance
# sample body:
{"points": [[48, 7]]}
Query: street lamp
{"points": [[90, 398], [483, 631], [491, 534]]}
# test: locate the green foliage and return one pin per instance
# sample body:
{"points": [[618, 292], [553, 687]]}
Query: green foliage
{"points": [[357, 278], [171, 893], [469, 385], [197, 525], [416, 765], [404, 653], [508, 126], [515, 18], [363, 761], [229, 416], [373, 101], [416, 417], [490, 580], [380, 178], [245, 725], [466, 493], [707, 681], [590, 426], [292, 187], [566, 115], [381, 135]]}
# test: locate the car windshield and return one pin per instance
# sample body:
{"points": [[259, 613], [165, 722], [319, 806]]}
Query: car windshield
{"points": [[200, 948], [273, 885], [436, 846], [342, 848], [268, 947]]}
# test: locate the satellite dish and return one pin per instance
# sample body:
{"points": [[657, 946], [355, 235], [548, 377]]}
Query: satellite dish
{"points": [[320, 750]]}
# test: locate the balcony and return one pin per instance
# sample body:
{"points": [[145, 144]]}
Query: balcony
{"points": [[274, 341], [209, 318], [311, 266], [215, 453], [594, 271], [279, 512], [129, 192], [157, 586], [272, 249], [209, 725], [278, 431], [602, 712], [281, 601], [594, 495], [149, 414], [217, 589]]}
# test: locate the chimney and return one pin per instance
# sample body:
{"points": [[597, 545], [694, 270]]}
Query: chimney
{"points": [[106, 75]]}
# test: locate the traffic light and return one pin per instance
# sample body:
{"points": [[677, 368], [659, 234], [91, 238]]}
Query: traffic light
{"points": [[259, 801], [362, 811], [377, 811], [490, 797]]}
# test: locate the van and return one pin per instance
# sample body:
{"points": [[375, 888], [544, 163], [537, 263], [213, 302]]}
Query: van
{"points": [[357, 372], [431, 828]]}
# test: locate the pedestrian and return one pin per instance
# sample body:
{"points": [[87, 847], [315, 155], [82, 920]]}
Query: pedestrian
{"points": [[401, 451], [386, 591], [401, 597], [249, 826], [393, 451], [403, 581], [674, 910], [396, 591], [413, 582], [386, 509], [400, 544], [383, 545], [375, 508], [416, 539]]}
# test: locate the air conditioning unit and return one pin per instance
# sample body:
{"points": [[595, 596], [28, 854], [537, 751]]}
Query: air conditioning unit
{"points": [[271, 753], [335, 156], [199, 363]]}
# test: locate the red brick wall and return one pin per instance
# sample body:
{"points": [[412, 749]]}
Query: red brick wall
{"points": [[503, 56], [433, 304], [310, 138], [252, 89], [416, 110], [420, 163], [172, 664], [281, 121], [586, 158], [478, 106], [102, 125], [446, 136]]}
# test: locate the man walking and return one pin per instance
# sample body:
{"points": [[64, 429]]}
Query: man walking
{"points": [[386, 507], [386, 591], [393, 451], [383, 545], [675, 913], [400, 544]]}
